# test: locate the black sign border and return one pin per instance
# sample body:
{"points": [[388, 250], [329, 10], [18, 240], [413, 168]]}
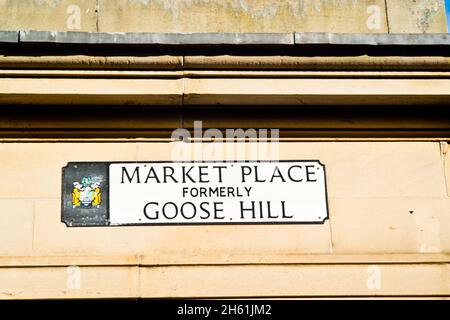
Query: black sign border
{"points": [[107, 224]]}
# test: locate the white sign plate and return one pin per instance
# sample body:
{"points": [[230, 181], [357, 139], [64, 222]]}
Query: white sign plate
{"points": [[286, 192]]}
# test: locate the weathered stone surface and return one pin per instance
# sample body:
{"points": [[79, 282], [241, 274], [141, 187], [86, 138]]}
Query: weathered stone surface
{"points": [[156, 38], [296, 280], [173, 240], [168, 16], [9, 36], [299, 38], [69, 282], [372, 188], [372, 39], [91, 91], [16, 227], [301, 92], [353, 170], [25, 167], [390, 225], [62, 15], [416, 16], [240, 16], [445, 149], [276, 280]]}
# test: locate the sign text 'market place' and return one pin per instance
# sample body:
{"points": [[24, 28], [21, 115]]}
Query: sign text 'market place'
{"points": [[203, 174]]}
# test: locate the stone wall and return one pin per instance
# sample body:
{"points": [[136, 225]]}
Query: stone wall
{"points": [[388, 204], [338, 16]]}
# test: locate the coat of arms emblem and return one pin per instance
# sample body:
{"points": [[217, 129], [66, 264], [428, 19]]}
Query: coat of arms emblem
{"points": [[87, 194]]}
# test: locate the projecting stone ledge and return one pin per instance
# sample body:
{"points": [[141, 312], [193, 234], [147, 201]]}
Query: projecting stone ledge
{"points": [[157, 38], [297, 38], [9, 36]]}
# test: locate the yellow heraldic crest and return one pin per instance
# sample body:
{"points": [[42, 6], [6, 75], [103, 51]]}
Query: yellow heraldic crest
{"points": [[87, 194]]}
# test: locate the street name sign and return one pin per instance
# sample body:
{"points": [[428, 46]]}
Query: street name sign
{"points": [[194, 193]]}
